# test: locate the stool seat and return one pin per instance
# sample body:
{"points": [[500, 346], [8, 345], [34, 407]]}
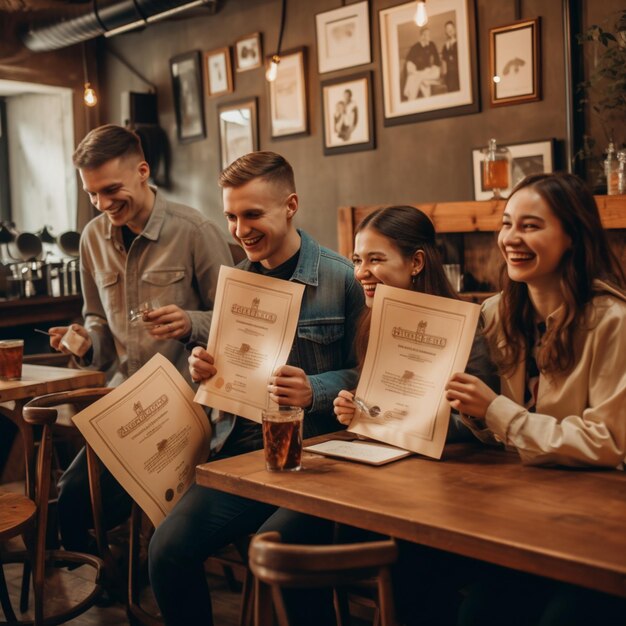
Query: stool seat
{"points": [[17, 513]]}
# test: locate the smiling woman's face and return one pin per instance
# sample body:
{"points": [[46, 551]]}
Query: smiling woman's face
{"points": [[378, 261], [532, 240]]}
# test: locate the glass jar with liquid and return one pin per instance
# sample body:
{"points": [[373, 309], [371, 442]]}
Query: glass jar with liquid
{"points": [[496, 168], [621, 172], [611, 166]]}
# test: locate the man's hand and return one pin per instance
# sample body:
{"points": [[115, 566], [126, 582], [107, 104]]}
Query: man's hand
{"points": [[201, 365], [344, 407], [168, 322], [470, 395], [290, 386], [57, 333]]}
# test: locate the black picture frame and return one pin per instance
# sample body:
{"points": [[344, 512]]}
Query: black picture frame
{"points": [[348, 114], [186, 72], [442, 93]]}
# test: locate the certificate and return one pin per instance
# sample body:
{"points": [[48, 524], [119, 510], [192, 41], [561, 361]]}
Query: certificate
{"points": [[150, 435], [254, 323], [416, 343]]}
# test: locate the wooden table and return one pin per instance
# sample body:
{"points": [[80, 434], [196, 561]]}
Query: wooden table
{"points": [[479, 502], [36, 381]]}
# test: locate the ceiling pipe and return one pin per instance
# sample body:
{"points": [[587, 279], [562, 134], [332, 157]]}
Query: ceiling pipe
{"points": [[105, 17]]}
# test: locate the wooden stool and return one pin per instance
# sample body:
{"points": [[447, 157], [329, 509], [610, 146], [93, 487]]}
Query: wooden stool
{"points": [[28, 516], [276, 565], [17, 517]]}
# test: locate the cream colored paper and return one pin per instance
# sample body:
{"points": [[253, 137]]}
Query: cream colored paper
{"points": [[416, 343], [254, 322], [150, 435]]}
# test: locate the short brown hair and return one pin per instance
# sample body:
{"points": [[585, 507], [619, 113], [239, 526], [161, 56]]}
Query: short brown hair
{"points": [[269, 166], [105, 143]]}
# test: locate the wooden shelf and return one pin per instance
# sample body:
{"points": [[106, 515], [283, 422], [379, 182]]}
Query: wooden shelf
{"points": [[466, 217], [39, 309]]}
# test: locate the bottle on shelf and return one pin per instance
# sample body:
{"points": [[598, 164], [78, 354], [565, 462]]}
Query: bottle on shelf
{"points": [[621, 172], [496, 168], [611, 166]]}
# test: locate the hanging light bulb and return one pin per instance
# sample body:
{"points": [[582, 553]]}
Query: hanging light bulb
{"points": [[272, 70], [90, 97], [421, 17]]}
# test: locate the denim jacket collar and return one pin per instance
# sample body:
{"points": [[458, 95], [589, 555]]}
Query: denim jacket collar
{"points": [[152, 229], [307, 270]]}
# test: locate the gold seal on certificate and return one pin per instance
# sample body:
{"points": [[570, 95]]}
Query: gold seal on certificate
{"points": [[254, 322], [416, 343]]}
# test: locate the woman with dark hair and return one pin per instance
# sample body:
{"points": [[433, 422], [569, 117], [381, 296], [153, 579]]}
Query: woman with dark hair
{"points": [[393, 246], [396, 246], [558, 335]]}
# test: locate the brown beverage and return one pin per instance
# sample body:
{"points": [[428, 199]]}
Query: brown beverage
{"points": [[282, 439], [11, 353], [495, 174]]}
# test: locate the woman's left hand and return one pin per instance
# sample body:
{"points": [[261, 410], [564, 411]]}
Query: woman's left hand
{"points": [[168, 322], [290, 386], [470, 395]]}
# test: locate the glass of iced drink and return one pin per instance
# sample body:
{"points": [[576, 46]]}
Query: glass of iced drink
{"points": [[282, 438], [11, 354]]}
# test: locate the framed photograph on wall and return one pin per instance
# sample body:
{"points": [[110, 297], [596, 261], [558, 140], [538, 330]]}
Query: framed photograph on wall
{"points": [[431, 71], [343, 37], [187, 89], [348, 118], [248, 52], [218, 74], [239, 129], [527, 158], [288, 105], [515, 63]]}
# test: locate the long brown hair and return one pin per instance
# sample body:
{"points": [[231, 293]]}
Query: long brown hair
{"points": [[409, 230], [588, 258]]}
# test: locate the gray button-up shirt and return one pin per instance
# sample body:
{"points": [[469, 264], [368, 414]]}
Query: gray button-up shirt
{"points": [[176, 260]]}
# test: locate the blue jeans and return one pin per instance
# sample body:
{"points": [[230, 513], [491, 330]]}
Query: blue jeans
{"points": [[202, 522]]}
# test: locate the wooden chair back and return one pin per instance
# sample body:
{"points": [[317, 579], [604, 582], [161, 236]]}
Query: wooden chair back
{"points": [[276, 565], [47, 406], [35, 538]]}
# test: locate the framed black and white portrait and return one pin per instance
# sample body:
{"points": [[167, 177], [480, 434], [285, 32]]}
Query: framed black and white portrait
{"points": [[429, 71], [348, 116], [515, 63], [188, 102], [288, 104], [343, 37], [248, 53], [239, 130]]}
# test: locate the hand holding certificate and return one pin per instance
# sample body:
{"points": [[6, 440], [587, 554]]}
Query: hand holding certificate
{"points": [[254, 322], [416, 343]]}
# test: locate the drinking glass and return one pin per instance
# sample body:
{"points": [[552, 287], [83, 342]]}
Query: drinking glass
{"points": [[11, 356], [282, 438]]}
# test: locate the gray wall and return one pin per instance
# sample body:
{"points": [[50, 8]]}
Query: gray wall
{"points": [[424, 161]]}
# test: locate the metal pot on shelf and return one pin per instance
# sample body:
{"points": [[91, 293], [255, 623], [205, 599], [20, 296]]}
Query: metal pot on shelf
{"points": [[25, 247]]}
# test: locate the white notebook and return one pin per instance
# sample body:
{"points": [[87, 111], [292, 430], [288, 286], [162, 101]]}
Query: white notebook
{"points": [[363, 451]]}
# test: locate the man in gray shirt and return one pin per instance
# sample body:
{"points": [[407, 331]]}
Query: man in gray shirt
{"points": [[141, 248]]}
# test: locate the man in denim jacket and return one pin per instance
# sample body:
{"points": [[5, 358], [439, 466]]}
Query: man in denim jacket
{"points": [[259, 203]]}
